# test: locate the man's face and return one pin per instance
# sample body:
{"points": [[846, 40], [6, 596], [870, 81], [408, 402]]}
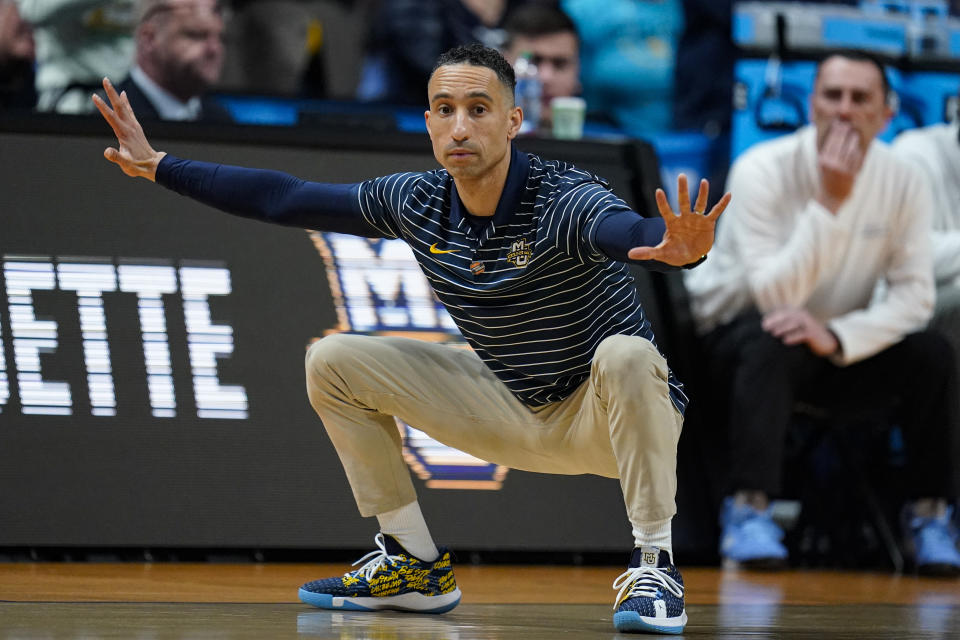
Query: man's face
{"points": [[557, 56], [187, 44], [850, 91], [471, 119]]}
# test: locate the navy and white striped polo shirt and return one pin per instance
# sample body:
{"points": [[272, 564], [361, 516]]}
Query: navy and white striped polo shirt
{"points": [[531, 293]]}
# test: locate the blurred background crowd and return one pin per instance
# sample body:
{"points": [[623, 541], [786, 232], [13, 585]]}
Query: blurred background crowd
{"points": [[643, 67], [621, 55], [646, 68], [625, 56]]}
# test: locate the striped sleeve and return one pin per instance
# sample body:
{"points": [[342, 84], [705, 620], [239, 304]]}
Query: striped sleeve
{"points": [[382, 201], [575, 215]]}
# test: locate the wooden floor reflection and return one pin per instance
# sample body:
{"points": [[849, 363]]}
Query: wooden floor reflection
{"points": [[188, 601]]}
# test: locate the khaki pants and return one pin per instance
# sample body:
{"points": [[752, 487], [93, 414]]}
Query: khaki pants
{"points": [[620, 423]]}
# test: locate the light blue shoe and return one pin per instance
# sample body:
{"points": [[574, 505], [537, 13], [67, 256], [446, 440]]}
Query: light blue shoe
{"points": [[750, 537], [934, 543]]}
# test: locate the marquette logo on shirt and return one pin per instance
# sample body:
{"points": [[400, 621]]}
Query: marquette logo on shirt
{"points": [[379, 289], [520, 253]]}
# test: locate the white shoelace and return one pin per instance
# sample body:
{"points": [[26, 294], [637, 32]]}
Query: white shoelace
{"points": [[642, 582], [375, 560]]}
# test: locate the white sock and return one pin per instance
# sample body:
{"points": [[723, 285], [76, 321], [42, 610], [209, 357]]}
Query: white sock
{"points": [[658, 533], [408, 527]]}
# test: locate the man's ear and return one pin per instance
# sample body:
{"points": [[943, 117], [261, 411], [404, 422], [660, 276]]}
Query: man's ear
{"points": [[513, 125], [426, 119], [146, 34]]}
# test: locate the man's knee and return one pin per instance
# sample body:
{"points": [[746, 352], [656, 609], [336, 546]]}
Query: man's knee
{"points": [[628, 355], [332, 369], [325, 355]]}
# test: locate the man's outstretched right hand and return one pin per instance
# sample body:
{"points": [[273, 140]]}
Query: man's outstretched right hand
{"points": [[135, 155]]}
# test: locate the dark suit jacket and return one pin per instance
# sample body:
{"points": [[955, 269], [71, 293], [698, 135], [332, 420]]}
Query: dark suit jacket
{"points": [[210, 109]]}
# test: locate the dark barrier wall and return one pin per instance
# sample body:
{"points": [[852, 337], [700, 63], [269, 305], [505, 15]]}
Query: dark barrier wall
{"points": [[151, 379]]}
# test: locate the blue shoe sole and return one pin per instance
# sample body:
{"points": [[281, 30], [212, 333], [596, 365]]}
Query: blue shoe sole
{"points": [[631, 621], [407, 602]]}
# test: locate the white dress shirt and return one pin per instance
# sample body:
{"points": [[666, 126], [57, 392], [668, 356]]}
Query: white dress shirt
{"points": [[166, 104]]}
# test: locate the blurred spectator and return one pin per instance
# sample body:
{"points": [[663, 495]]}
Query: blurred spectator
{"points": [[704, 71], [308, 48], [78, 43], [786, 304], [628, 51], [704, 67], [179, 57], [267, 43], [936, 150], [407, 36], [17, 55], [549, 35]]}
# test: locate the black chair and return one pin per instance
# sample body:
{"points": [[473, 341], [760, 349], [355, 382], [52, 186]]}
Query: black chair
{"points": [[846, 476]]}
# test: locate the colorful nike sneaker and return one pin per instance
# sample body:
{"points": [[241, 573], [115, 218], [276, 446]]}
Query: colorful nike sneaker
{"points": [[390, 578], [650, 599]]}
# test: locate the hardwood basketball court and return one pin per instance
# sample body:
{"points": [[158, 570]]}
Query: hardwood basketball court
{"points": [[223, 601]]}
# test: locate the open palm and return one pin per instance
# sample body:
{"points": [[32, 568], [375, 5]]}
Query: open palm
{"points": [[689, 233], [133, 153]]}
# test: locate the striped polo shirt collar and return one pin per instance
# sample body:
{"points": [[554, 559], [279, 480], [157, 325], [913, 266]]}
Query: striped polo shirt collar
{"points": [[513, 191]]}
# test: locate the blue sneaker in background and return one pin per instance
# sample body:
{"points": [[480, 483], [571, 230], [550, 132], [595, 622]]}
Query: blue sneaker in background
{"points": [[750, 538], [391, 578], [650, 599], [933, 541]]}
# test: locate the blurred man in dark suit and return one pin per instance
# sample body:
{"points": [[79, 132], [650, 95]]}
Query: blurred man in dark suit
{"points": [[179, 56], [17, 59]]}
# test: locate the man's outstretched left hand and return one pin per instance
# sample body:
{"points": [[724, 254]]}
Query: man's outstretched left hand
{"points": [[689, 234]]}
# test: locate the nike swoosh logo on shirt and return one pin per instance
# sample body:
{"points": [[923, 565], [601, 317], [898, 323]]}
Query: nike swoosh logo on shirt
{"points": [[433, 249]]}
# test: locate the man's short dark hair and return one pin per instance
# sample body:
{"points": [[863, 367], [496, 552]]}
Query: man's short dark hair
{"points": [[858, 55], [480, 56], [535, 20]]}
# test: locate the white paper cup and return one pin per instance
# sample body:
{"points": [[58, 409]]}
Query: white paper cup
{"points": [[567, 113]]}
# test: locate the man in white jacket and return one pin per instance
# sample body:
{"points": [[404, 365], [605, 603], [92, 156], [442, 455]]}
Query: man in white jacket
{"points": [[787, 310]]}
